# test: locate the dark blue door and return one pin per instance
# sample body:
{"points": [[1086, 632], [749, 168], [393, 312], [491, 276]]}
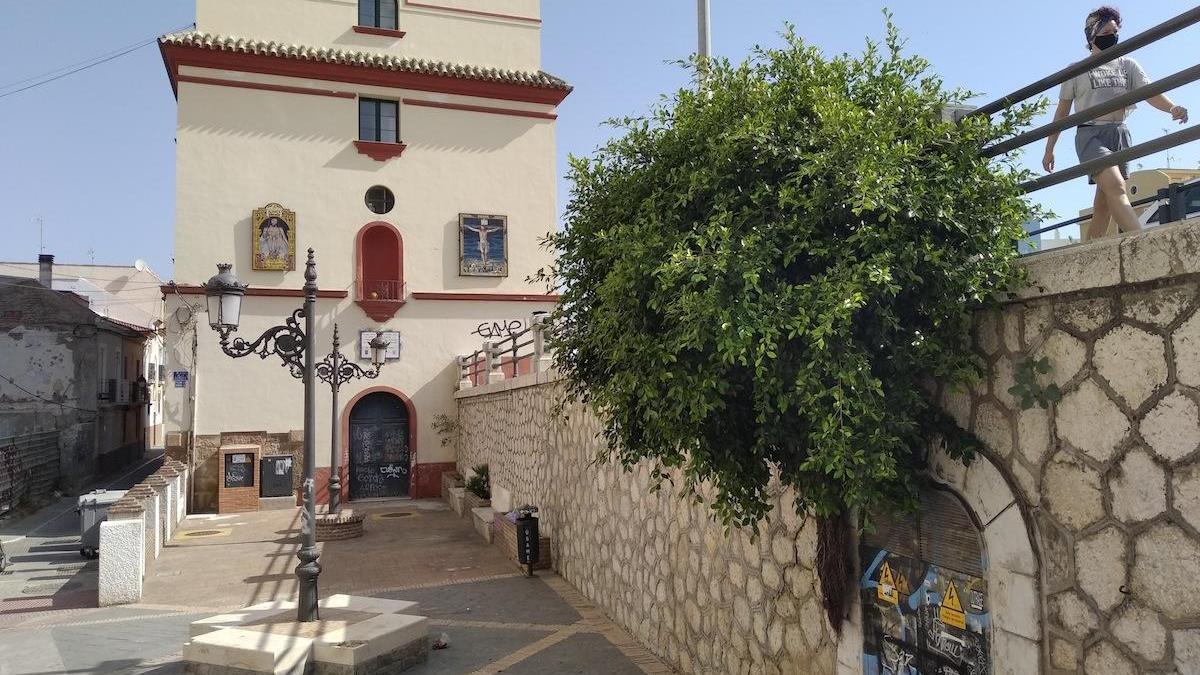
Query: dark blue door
{"points": [[379, 452]]}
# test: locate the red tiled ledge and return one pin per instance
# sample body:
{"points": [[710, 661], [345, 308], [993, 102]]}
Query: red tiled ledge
{"points": [[380, 152], [385, 32]]}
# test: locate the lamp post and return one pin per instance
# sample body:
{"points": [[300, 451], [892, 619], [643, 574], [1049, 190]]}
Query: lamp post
{"points": [[293, 346], [335, 370]]}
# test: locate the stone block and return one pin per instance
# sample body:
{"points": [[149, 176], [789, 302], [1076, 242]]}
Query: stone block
{"points": [[1100, 567], [396, 640], [1172, 428], [994, 428], [1072, 491], [1007, 543], [1013, 654], [1185, 485], [986, 490], [1092, 265], [1103, 658], [1086, 315], [1186, 342], [1166, 561], [251, 651], [1133, 362], [1158, 307], [264, 610], [1033, 434], [1014, 602], [501, 499], [1069, 612], [1187, 651], [1065, 355], [1141, 631], [481, 518], [1090, 422], [121, 561], [1138, 485], [455, 499]]}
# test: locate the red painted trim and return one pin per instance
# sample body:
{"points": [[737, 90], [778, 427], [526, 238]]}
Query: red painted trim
{"points": [[412, 436], [188, 289], [265, 87], [429, 483], [385, 32], [489, 297], [178, 55], [380, 152], [475, 12], [482, 109]]}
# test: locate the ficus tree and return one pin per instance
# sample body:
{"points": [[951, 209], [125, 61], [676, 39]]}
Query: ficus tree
{"points": [[765, 272]]}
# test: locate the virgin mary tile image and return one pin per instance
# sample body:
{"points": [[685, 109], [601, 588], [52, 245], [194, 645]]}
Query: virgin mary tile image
{"points": [[273, 229], [482, 245]]}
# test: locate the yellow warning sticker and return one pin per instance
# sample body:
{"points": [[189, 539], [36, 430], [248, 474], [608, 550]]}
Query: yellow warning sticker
{"points": [[886, 589], [902, 584], [951, 612]]}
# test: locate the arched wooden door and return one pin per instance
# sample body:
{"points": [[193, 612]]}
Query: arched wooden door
{"points": [[379, 452]]}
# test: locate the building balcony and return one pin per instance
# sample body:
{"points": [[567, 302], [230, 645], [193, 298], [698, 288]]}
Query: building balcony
{"points": [[380, 298]]}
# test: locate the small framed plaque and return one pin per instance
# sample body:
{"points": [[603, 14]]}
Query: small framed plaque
{"points": [[392, 337]]}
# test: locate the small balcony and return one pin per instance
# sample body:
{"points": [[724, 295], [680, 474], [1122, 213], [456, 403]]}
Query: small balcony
{"points": [[380, 298]]}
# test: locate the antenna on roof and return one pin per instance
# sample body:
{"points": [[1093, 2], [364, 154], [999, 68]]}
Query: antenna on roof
{"points": [[41, 238]]}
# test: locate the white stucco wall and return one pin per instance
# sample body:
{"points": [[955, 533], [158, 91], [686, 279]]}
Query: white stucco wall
{"points": [[434, 33]]}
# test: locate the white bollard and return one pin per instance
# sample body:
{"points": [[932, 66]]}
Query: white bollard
{"points": [[121, 561]]}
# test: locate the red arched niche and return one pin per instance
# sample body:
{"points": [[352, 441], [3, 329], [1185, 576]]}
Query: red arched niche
{"points": [[379, 250]]}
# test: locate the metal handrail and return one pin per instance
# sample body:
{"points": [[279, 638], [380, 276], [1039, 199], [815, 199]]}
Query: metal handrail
{"points": [[1125, 100], [1080, 219], [1142, 39], [1121, 157]]}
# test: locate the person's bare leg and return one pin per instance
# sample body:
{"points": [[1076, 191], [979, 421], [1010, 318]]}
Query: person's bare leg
{"points": [[1113, 186], [1098, 227]]}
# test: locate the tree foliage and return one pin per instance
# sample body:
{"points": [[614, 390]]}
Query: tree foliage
{"points": [[765, 270]]}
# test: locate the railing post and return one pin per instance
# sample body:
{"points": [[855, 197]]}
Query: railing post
{"points": [[541, 360], [465, 363], [492, 363]]}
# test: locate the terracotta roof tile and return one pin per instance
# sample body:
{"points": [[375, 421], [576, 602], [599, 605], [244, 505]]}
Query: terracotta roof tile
{"points": [[228, 43]]}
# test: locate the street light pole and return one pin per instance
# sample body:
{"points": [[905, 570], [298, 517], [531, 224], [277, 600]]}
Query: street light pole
{"points": [[336, 370], [309, 569], [293, 346]]}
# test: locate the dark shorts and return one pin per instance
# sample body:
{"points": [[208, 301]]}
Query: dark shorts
{"points": [[1099, 140]]}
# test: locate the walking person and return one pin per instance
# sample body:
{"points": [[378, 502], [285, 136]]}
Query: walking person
{"points": [[1107, 133]]}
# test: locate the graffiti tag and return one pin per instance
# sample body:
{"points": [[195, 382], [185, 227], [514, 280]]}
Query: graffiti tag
{"points": [[499, 329]]}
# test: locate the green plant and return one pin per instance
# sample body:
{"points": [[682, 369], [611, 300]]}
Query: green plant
{"points": [[480, 483], [447, 428], [1027, 391], [759, 275]]}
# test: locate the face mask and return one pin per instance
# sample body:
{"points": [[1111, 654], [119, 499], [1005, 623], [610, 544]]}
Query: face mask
{"points": [[1105, 41]]}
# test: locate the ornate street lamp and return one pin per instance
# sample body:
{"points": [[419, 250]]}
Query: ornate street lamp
{"points": [[335, 370], [293, 346]]}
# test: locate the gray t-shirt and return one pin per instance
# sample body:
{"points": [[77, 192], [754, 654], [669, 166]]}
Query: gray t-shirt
{"points": [[1104, 83]]}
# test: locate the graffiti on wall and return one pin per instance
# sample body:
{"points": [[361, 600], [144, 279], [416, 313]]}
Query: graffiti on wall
{"points": [[922, 619]]}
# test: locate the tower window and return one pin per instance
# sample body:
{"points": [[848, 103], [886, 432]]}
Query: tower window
{"points": [[380, 199], [377, 13], [377, 120]]}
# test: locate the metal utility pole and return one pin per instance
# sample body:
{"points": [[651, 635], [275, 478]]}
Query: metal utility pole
{"points": [[704, 44]]}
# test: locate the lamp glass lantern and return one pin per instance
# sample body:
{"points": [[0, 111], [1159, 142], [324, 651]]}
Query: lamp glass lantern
{"points": [[224, 293], [379, 348]]}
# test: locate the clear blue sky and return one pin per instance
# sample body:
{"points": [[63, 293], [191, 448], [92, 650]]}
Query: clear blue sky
{"points": [[92, 154]]}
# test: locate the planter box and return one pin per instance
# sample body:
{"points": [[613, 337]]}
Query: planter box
{"points": [[451, 479], [455, 498], [505, 536], [471, 502]]}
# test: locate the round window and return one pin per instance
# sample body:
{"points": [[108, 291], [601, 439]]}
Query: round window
{"points": [[380, 199]]}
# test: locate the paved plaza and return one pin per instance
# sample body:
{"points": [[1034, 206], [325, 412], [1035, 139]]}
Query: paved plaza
{"points": [[495, 620]]}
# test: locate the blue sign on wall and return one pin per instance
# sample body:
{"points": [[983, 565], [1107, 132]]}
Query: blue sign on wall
{"points": [[181, 378]]}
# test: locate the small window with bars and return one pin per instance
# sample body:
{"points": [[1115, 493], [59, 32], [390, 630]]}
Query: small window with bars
{"points": [[377, 13], [378, 120]]}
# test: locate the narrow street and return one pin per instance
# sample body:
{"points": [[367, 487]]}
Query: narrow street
{"points": [[46, 571]]}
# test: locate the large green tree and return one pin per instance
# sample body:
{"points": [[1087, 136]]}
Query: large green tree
{"points": [[765, 270]]}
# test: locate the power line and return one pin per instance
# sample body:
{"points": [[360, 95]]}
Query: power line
{"points": [[59, 73]]}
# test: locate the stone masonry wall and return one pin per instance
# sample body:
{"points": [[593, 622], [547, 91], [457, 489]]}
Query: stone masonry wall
{"points": [[704, 600], [1107, 482]]}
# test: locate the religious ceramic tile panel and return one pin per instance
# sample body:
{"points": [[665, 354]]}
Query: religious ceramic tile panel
{"points": [[273, 238], [482, 245]]}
